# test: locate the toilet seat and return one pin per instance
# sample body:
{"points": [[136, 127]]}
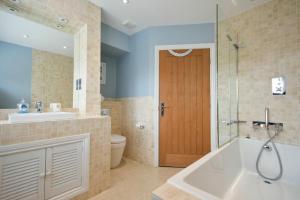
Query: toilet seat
{"points": [[117, 139]]}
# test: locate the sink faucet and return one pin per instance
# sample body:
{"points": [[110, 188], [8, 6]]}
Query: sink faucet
{"points": [[39, 106]]}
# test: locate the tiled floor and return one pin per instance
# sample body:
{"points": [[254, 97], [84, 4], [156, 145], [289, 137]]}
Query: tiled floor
{"points": [[135, 181]]}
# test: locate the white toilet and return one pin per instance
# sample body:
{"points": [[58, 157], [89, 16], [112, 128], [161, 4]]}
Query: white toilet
{"points": [[118, 143]]}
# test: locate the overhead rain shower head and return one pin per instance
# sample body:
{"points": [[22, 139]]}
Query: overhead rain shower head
{"points": [[239, 46], [229, 38], [236, 46]]}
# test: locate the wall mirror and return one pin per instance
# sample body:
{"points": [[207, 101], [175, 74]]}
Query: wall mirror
{"points": [[36, 62]]}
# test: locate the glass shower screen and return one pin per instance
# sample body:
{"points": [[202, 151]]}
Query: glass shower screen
{"points": [[227, 43]]}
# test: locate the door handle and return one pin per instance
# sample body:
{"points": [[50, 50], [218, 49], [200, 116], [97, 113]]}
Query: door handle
{"points": [[162, 108]]}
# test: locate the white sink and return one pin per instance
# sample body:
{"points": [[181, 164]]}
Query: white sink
{"points": [[46, 116]]}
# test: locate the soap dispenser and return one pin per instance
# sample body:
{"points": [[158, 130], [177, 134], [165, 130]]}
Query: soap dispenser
{"points": [[23, 107]]}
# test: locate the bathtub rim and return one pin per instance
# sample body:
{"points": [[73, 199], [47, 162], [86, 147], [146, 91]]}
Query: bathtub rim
{"points": [[178, 179]]}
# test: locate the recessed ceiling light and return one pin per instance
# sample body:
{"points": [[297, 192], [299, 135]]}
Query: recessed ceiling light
{"points": [[63, 20], [65, 47], [26, 36], [126, 1], [59, 26], [12, 9]]}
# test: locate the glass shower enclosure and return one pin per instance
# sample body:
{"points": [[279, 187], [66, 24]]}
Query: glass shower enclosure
{"points": [[227, 87]]}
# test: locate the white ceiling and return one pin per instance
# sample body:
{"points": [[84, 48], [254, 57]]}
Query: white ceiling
{"points": [[229, 8], [147, 13], [13, 28]]}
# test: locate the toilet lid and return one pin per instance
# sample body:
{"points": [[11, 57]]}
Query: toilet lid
{"points": [[116, 139]]}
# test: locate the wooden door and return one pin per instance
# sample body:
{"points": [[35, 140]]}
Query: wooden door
{"points": [[184, 89]]}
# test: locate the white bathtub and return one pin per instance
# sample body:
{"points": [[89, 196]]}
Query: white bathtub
{"points": [[229, 173]]}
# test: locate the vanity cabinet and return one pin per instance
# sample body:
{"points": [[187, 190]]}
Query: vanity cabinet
{"points": [[22, 175], [63, 169], [45, 170]]}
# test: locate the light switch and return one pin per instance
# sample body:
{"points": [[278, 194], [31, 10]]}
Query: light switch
{"points": [[278, 86]]}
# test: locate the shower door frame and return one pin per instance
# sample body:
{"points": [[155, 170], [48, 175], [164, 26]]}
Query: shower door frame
{"points": [[213, 90]]}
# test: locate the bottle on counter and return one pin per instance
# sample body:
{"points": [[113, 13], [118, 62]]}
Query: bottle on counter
{"points": [[23, 107]]}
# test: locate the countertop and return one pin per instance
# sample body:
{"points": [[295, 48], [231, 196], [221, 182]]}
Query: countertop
{"points": [[78, 116]]}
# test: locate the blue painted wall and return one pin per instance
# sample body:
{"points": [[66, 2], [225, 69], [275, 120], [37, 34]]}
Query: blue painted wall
{"points": [[15, 74], [114, 44], [133, 68], [135, 73], [114, 38], [109, 90], [111, 51]]}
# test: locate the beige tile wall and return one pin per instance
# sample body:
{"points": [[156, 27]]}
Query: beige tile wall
{"points": [[270, 35], [126, 113], [52, 78], [140, 142], [98, 127], [116, 114]]}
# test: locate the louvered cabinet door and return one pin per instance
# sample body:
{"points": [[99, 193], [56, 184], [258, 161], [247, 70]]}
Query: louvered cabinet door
{"points": [[63, 169], [22, 176]]}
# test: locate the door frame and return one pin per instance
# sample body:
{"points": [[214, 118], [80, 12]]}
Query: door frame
{"points": [[213, 93]]}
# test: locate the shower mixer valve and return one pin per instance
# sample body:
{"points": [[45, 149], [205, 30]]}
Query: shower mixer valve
{"points": [[278, 127]]}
